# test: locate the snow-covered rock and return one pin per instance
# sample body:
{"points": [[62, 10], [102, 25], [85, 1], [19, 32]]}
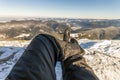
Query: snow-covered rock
{"points": [[103, 56]]}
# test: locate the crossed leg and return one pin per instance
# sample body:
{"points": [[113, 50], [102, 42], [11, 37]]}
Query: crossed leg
{"points": [[38, 61]]}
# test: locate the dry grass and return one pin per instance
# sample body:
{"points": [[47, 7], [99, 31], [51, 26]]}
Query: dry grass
{"points": [[57, 35]]}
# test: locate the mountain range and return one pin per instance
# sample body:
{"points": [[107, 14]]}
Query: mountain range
{"points": [[82, 28]]}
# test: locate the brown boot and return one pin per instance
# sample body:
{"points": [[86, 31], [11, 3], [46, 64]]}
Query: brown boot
{"points": [[73, 64]]}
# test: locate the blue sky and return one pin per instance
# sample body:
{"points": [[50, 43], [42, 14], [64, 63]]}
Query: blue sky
{"points": [[61, 8]]}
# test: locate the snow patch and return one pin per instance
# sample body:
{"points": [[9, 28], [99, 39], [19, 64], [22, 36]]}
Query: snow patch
{"points": [[22, 35], [104, 57]]}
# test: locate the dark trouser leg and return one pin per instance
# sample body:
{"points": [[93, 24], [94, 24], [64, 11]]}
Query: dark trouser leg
{"points": [[75, 68], [38, 61]]}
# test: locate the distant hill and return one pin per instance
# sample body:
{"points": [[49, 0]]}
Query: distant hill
{"points": [[27, 29], [96, 23], [83, 28], [99, 33]]}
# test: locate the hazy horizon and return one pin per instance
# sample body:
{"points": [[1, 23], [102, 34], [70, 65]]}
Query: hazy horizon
{"points": [[88, 9]]}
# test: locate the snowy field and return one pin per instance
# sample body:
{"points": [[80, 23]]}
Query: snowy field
{"points": [[103, 56]]}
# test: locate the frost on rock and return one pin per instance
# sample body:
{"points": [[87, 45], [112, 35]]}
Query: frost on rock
{"points": [[103, 57]]}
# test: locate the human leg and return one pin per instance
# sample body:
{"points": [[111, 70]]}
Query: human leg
{"points": [[38, 61], [74, 65]]}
